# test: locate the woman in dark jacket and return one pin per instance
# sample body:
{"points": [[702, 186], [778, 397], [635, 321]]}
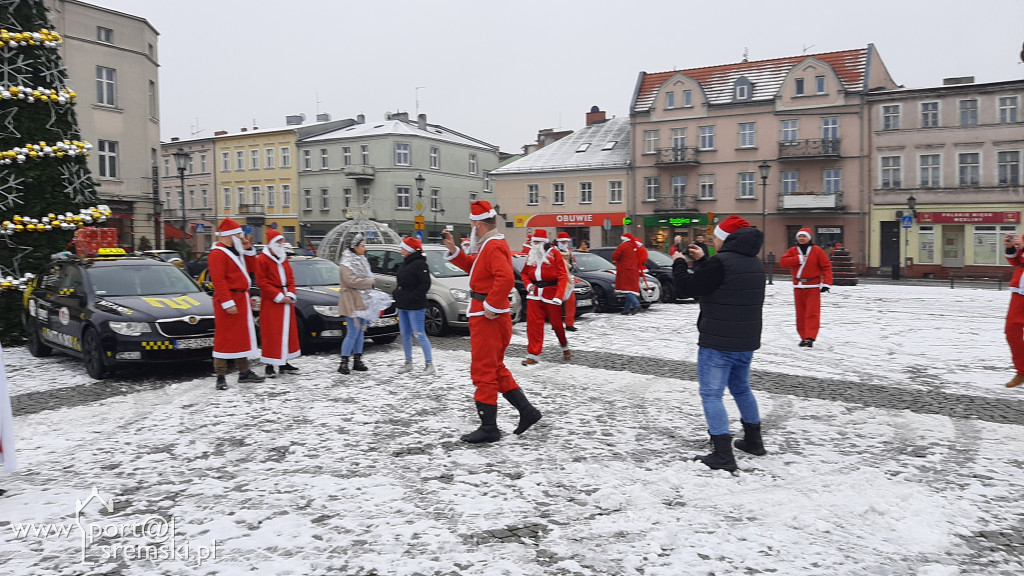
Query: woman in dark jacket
{"points": [[411, 299]]}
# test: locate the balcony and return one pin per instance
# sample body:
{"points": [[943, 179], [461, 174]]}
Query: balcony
{"points": [[251, 210], [811, 201], [685, 155], [676, 202], [360, 171], [812, 149]]}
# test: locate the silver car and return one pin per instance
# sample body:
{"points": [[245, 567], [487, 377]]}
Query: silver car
{"points": [[448, 297]]}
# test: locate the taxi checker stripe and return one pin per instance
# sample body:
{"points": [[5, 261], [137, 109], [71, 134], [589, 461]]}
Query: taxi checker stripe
{"points": [[163, 345]]}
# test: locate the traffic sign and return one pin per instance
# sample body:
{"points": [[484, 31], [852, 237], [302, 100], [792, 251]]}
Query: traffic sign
{"points": [[247, 229], [419, 234], [419, 223], [200, 228], [908, 221]]}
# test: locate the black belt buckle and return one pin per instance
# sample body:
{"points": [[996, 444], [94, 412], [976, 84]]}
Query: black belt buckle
{"points": [[478, 296]]}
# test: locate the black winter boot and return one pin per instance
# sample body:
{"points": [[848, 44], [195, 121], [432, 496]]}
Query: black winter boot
{"points": [[488, 430], [528, 415], [222, 383], [249, 376], [721, 458], [751, 442], [357, 363], [343, 367]]}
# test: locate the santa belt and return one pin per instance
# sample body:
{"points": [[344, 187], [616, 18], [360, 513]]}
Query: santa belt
{"points": [[545, 283], [478, 296], [807, 279]]}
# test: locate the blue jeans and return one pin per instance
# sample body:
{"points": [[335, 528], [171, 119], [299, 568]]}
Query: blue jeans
{"points": [[632, 302], [717, 370], [353, 342], [410, 323]]}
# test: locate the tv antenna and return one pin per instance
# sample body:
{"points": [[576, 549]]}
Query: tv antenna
{"points": [[806, 48]]}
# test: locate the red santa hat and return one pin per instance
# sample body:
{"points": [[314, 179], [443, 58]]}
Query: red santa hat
{"points": [[274, 235], [564, 237], [412, 244], [481, 210], [730, 225], [540, 236], [627, 237], [804, 232], [228, 227], [526, 243], [465, 241]]}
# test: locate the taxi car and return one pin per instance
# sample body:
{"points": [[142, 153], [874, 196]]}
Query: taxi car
{"points": [[116, 310]]}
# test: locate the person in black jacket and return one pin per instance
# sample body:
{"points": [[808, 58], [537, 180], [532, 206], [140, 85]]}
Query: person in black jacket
{"points": [[411, 300], [731, 290]]}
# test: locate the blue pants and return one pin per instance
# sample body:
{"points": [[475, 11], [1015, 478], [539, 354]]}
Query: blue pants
{"points": [[717, 370], [632, 301], [410, 323], [353, 342]]}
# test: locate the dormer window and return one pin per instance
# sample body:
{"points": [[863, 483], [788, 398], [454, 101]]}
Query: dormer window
{"points": [[670, 99], [741, 92], [742, 89], [687, 98], [799, 86]]}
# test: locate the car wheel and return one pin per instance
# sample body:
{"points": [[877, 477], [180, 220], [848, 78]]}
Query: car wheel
{"points": [[668, 293], [92, 354], [36, 347], [435, 322], [382, 340], [305, 342], [600, 299]]}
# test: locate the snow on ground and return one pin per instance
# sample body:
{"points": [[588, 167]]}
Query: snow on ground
{"points": [[324, 474]]}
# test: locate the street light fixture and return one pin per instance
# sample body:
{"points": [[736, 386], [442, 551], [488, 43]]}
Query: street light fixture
{"points": [[765, 168], [181, 159], [419, 185]]}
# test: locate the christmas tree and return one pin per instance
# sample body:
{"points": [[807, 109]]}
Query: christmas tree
{"points": [[44, 180]]}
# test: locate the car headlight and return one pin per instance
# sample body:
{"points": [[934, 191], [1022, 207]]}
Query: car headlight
{"points": [[326, 310], [130, 328], [460, 295]]}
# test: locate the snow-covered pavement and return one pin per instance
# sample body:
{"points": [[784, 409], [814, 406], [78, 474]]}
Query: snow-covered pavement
{"points": [[324, 474]]}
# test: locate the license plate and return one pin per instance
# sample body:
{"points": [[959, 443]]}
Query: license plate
{"points": [[383, 322], [193, 343], [585, 303]]}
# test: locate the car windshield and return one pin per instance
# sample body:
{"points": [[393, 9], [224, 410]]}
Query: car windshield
{"points": [[140, 280], [587, 262], [165, 256], [660, 258], [441, 268], [315, 272]]}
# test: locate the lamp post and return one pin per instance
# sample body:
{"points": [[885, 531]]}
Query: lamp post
{"points": [[419, 202], [765, 168], [440, 208], [181, 162], [912, 204]]}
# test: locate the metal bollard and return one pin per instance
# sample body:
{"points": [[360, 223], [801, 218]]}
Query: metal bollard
{"points": [[771, 267]]}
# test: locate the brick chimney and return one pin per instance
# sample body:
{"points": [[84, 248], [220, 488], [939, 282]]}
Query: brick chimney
{"points": [[596, 116], [220, 132]]}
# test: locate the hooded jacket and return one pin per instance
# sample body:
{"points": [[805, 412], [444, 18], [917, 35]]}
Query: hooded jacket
{"points": [[413, 282]]}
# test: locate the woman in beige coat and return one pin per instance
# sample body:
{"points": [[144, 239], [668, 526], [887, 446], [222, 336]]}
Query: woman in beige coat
{"points": [[356, 282]]}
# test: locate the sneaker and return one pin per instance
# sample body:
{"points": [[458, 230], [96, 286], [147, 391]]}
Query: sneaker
{"points": [[529, 362], [429, 370], [1017, 381], [250, 376], [570, 328], [407, 367], [269, 371], [288, 368], [567, 354], [222, 383]]}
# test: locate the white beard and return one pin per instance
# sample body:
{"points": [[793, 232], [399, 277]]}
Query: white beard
{"points": [[473, 242], [236, 241], [563, 247], [277, 249], [538, 255]]}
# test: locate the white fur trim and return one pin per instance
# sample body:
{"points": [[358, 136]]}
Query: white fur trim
{"points": [[721, 234], [231, 232], [407, 247], [802, 233], [489, 214], [228, 304]]}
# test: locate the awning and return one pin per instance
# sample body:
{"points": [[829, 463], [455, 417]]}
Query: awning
{"points": [[173, 232]]}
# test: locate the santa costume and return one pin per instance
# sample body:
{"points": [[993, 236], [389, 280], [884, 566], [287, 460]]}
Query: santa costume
{"points": [[235, 334], [627, 273], [8, 459], [1015, 314], [812, 275], [546, 279], [569, 299], [278, 330], [491, 279]]}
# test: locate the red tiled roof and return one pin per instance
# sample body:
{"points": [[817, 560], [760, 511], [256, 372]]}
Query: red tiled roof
{"points": [[766, 75]]}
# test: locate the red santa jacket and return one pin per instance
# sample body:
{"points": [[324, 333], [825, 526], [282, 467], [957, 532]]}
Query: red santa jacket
{"points": [[235, 334], [811, 271], [1016, 259], [491, 277], [641, 257], [275, 279], [548, 281], [627, 268]]}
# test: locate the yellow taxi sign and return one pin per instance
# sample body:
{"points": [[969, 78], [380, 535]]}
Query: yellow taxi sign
{"points": [[111, 252]]}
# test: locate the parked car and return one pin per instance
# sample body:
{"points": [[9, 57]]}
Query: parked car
{"points": [[584, 292], [116, 311], [658, 265], [448, 297], [197, 264], [601, 275]]}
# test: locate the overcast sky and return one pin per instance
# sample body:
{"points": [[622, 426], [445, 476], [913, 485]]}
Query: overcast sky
{"points": [[502, 71]]}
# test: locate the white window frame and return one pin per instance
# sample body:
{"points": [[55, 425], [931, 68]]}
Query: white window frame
{"points": [[167, 167], [225, 161], [746, 185], [790, 131], [105, 35], [790, 182], [226, 192], [742, 92], [239, 160], [286, 195], [931, 118], [204, 195], [271, 196], [403, 198], [747, 134], [325, 199], [651, 141], [473, 165], [202, 162], [286, 157], [254, 159], [973, 170], [191, 197], [364, 152], [677, 185], [687, 98], [678, 138], [586, 192], [109, 166], [615, 191], [435, 158], [307, 159], [558, 193], [798, 86], [891, 116], [652, 188], [403, 154], [240, 191], [670, 99], [325, 159], [532, 194], [346, 155], [106, 86], [346, 197], [1008, 172], [1009, 110], [269, 158], [890, 172], [832, 180], [929, 175], [256, 194], [968, 116], [819, 84], [435, 199], [707, 137], [707, 186], [830, 124], [307, 198], [487, 181]]}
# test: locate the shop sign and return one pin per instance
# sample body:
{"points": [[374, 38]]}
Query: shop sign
{"points": [[677, 220], [968, 217], [567, 219]]}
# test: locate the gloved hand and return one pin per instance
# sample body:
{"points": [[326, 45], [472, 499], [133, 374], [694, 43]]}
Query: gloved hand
{"points": [[824, 288], [530, 289]]}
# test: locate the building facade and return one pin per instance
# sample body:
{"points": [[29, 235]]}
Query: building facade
{"points": [[112, 63], [946, 176], [701, 135], [191, 207], [577, 184]]}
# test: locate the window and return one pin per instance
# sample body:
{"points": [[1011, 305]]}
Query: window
{"points": [[269, 158], [970, 169], [929, 114], [670, 99], [254, 159], [790, 181], [307, 159], [307, 199], [365, 151], [191, 164], [583, 147], [891, 168], [346, 197], [202, 162], [271, 195], [324, 159], [226, 191], [746, 135], [152, 99], [615, 191], [402, 154], [988, 243], [790, 130], [830, 129], [746, 185], [558, 193], [346, 156], [257, 196], [108, 158], [286, 157], [819, 84], [239, 159], [487, 180], [799, 86], [931, 170], [707, 186], [366, 194], [435, 199], [472, 164], [926, 244], [325, 199], [191, 197], [1008, 168], [742, 92], [687, 98], [968, 112], [678, 191], [286, 195], [609, 145], [1008, 110], [204, 196], [532, 194], [586, 192], [105, 35], [678, 138], [891, 117], [240, 190], [225, 161], [167, 167], [106, 86], [707, 137], [652, 189], [833, 180], [402, 197], [650, 141]]}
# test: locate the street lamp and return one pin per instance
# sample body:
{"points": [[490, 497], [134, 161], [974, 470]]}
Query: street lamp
{"points": [[765, 169], [181, 159], [419, 185], [439, 208]]}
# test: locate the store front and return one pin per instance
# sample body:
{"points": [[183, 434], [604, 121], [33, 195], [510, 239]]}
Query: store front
{"points": [[660, 230], [945, 241], [595, 228]]}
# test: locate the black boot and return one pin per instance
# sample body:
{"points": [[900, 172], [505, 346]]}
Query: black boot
{"points": [[222, 383], [528, 415], [751, 442], [488, 430], [269, 370], [357, 363], [288, 368], [721, 458], [343, 367], [249, 376]]}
